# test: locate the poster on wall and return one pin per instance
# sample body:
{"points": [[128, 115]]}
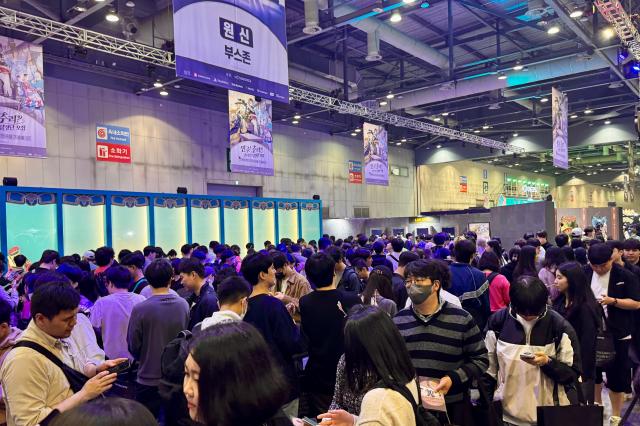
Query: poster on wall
{"points": [[113, 144], [559, 114], [22, 125], [463, 184], [355, 171], [236, 44], [376, 161], [250, 137], [481, 229]]}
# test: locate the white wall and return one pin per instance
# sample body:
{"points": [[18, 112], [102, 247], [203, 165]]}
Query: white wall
{"points": [[180, 145]]}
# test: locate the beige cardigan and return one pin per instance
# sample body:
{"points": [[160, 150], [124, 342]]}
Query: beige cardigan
{"points": [[386, 407]]}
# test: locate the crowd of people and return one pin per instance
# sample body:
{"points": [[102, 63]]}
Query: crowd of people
{"points": [[342, 332]]}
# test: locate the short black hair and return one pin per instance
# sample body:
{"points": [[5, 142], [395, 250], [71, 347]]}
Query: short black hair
{"points": [[122, 254], [104, 255], [5, 312], [335, 253], [213, 244], [49, 256], [562, 240], [320, 269], [615, 244], [528, 295], [253, 265], [172, 252], [186, 249], [52, 298], [232, 289], [105, 412], [464, 250], [397, 245], [406, 257], [159, 273], [489, 260], [20, 260], [134, 259], [533, 242], [279, 260], [323, 243], [632, 244], [148, 250], [190, 265], [430, 268], [119, 276], [541, 234], [599, 254]]}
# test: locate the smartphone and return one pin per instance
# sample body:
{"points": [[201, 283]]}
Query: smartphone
{"points": [[120, 367], [527, 355], [309, 422]]}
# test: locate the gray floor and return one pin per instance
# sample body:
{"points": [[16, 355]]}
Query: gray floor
{"points": [[634, 419]]}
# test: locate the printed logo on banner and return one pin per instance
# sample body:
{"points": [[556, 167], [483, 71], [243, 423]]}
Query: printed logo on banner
{"points": [[101, 133], [246, 48]]}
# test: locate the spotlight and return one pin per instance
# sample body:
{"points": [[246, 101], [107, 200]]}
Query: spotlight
{"points": [[607, 122], [502, 76], [390, 96], [398, 143], [485, 127], [157, 84], [576, 14], [164, 93], [438, 146], [436, 119], [554, 29], [588, 111], [112, 16], [544, 100], [354, 134], [515, 135], [383, 103], [297, 117], [608, 33], [79, 8], [395, 17], [130, 4], [295, 122], [518, 66], [358, 130], [574, 116], [445, 114], [476, 131], [403, 140]]}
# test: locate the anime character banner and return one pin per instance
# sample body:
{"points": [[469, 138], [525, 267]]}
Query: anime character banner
{"points": [[22, 126], [376, 161], [250, 137], [559, 112], [236, 44]]}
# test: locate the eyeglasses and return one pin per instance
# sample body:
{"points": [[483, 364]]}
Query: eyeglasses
{"points": [[418, 281]]}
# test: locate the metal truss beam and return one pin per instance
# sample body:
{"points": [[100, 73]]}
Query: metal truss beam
{"points": [[42, 27], [615, 14], [345, 107], [54, 30]]}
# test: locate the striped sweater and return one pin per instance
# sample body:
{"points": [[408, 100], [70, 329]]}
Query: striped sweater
{"points": [[447, 343]]}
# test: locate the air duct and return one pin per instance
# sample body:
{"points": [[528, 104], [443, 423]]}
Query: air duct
{"points": [[311, 17], [322, 82], [373, 47], [395, 38]]}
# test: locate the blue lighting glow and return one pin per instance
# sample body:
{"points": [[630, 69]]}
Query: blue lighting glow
{"points": [[425, 5], [636, 67]]}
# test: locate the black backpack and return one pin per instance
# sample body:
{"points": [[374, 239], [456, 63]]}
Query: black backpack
{"points": [[423, 417], [172, 364]]}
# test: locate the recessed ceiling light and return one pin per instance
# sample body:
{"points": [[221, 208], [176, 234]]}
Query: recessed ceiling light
{"points": [[395, 17], [607, 122], [297, 116], [515, 135], [588, 111], [177, 86], [390, 96], [164, 93], [112, 16], [608, 168], [578, 157], [576, 14], [590, 166], [544, 100], [438, 146], [554, 29], [383, 103]]}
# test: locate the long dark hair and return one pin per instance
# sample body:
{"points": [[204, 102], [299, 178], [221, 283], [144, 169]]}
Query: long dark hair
{"points": [[235, 357], [554, 257], [578, 292], [380, 282], [374, 351], [526, 263]]}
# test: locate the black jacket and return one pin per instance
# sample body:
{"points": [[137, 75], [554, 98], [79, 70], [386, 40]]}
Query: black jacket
{"points": [[350, 282], [622, 285], [399, 291], [202, 306]]}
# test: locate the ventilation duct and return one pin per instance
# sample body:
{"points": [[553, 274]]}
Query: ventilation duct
{"points": [[311, 17], [373, 47]]}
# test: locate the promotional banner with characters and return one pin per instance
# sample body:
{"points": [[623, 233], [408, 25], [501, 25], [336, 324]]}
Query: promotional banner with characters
{"points": [[22, 126], [559, 114], [376, 160], [250, 135], [236, 44]]}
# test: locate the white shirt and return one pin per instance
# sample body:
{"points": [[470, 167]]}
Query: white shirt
{"points": [[600, 286]]}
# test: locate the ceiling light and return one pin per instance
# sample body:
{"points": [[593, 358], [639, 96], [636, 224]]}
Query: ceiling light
{"points": [[354, 134], [436, 119], [164, 93], [424, 5], [476, 131], [510, 165], [518, 66], [358, 130], [516, 164], [398, 143], [383, 103], [590, 166], [295, 122], [608, 168], [485, 127], [130, 4], [502, 76], [515, 135], [574, 116], [408, 1], [99, 1], [578, 157], [576, 14], [157, 84], [607, 122], [79, 8], [390, 96], [112, 16], [588, 111], [544, 100], [608, 33], [297, 116], [395, 17], [445, 114], [438, 146], [403, 140], [556, 173], [554, 29]]}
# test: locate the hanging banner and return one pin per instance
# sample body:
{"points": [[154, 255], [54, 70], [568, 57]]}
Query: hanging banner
{"points": [[236, 44], [355, 171], [250, 134], [463, 184], [376, 161], [113, 144], [559, 114], [22, 125]]}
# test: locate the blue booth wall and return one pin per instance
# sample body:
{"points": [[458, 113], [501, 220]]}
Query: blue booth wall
{"points": [[75, 220]]}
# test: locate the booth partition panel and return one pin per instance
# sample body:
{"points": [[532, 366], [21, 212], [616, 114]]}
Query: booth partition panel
{"points": [[311, 220], [170, 222], [236, 223], [84, 222], [129, 222], [288, 220], [32, 223], [205, 221], [264, 222]]}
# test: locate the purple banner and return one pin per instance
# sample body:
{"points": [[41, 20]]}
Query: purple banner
{"points": [[250, 134], [22, 123], [376, 161], [559, 115]]}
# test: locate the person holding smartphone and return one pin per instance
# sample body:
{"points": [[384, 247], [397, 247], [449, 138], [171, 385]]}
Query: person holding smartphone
{"points": [[532, 351]]}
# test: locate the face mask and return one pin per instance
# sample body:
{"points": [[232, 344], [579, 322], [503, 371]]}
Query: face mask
{"points": [[279, 275], [419, 294]]}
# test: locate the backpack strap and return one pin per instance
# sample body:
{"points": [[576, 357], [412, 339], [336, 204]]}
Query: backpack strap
{"points": [[492, 276]]}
